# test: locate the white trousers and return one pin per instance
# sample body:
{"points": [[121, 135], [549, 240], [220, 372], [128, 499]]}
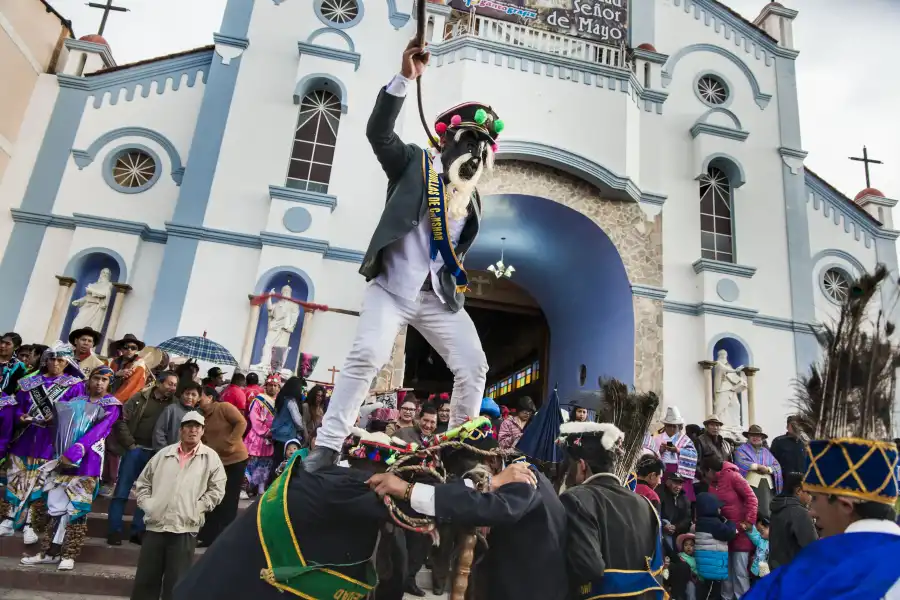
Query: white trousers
{"points": [[383, 314]]}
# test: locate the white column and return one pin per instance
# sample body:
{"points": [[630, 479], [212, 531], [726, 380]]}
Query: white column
{"points": [[707, 366], [247, 352], [750, 372], [60, 308], [122, 290], [306, 328]]}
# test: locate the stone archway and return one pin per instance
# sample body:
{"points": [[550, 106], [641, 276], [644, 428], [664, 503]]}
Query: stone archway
{"points": [[638, 241]]}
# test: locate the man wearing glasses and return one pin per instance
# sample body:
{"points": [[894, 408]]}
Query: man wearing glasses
{"points": [[131, 373]]}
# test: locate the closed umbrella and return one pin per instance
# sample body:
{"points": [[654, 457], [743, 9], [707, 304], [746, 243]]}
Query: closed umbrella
{"points": [[539, 440], [199, 348]]}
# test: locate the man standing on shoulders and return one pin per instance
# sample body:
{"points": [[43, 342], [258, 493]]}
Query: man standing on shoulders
{"points": [[415, 257], [131, 372], [178, 487], [85, 340], [791, 528], [134, 435], [11, 368], [790, 449]]}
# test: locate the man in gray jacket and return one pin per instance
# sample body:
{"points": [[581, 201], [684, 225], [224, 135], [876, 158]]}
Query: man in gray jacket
{"points": [[414, 260], [168, 426]]}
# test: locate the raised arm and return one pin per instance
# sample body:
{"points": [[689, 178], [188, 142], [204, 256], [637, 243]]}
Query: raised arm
{"points": [[389, 149]]}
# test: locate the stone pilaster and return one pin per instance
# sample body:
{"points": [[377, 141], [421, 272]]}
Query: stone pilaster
{"points": [[391, 374]]}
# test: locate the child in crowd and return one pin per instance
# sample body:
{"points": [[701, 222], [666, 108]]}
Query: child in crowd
{"points": [[713, 532], [290, 448], [759, 535], [683, 574]]}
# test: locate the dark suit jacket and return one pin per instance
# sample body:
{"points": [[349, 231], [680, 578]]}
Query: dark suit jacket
{"points": [[406, 199], [336, 519], [526, 555]]}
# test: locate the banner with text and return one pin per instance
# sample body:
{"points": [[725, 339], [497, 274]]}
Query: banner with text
{"points": [[605, 21]]}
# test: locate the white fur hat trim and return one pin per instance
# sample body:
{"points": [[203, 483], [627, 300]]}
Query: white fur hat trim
{"points": [[611, 434], [379, 437]]}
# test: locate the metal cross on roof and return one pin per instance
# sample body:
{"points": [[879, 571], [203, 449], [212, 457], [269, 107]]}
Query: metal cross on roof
{"points": [[106, 8], [867, 161]]}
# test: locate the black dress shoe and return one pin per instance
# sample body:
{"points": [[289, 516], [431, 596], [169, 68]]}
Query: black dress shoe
{"points": [[319, 458], [415, 590], [137, 539], [114, 539], [437, 588]]}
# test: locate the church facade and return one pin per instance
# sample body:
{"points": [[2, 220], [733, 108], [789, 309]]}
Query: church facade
{"points": [[650, 191]]}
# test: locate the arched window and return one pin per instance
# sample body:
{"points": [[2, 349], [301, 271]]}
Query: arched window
{"points": [[314, 141], [716, 225]]}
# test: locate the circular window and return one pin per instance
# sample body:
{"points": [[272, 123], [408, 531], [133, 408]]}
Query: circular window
{"points": [[132, 169], [836, 285], [712, 90], [340, 12]]}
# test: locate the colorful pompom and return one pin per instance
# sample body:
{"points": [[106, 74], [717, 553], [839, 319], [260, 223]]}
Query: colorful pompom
{"points": [[498, 126], [440, 128], [480, 116], [455, 120], [494, 148]]}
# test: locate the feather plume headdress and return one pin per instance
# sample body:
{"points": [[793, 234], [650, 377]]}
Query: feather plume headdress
{"points": [[624, 416], [847, 400]]}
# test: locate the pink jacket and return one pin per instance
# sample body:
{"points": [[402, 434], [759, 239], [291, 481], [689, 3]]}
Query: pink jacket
{"points": [[259, 438], [740, 503]]}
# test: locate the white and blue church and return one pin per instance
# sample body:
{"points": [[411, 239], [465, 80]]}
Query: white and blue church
{"points": [[651, 195]]}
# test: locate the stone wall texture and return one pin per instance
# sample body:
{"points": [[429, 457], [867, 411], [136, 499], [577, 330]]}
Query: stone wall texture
{"points": [[638, 241]]}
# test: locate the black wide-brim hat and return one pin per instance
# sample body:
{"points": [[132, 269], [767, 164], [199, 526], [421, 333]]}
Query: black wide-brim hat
{"points": [[84, 331], [472, 116], [129, 337]]}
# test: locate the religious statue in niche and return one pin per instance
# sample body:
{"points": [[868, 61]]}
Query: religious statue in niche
{"points": [[728, 385], [92, 306], [283, 316]]}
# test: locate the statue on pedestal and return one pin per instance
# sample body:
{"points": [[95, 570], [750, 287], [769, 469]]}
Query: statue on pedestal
{"points": [[728, 385], [283, 316], [92, 306]]}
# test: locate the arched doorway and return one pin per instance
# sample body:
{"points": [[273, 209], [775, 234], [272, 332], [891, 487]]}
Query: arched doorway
{"points": [[514, 335], [568, 265]]}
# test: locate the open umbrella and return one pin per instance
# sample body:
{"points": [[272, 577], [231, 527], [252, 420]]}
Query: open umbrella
{"points": [[539, 440], [199, 348]]}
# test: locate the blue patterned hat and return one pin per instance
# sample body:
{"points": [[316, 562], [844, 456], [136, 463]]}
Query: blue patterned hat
{"points": [[852, 467]]}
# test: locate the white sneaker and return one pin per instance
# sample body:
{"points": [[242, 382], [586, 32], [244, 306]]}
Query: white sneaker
{"points": [[30, 536], [39, 559], [6, 528], [66, 564], [244, 496]]}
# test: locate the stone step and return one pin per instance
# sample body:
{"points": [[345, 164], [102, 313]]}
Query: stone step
{"points": [[95, 551], [8, 594], [98, 526], [87, 578], [101, 505]]}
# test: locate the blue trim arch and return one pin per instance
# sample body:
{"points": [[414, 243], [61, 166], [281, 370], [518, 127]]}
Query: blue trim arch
{"points": [[841, 254], [321, 81], [728, 164], [351, 47], [585, 169], [588, 305], [301, 289], [668, 70], [739, 353], [76, 263], [83, 158], [704, 118]]}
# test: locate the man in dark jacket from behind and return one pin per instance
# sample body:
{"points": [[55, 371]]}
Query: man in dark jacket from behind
{"points": [[791, 528], [790, 449]]}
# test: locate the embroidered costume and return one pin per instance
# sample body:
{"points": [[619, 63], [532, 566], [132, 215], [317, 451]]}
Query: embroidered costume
{"points": [[30, 452], [259, 441]]}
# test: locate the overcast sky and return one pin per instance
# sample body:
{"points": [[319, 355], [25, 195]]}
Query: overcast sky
{"points": [[847, 73]]}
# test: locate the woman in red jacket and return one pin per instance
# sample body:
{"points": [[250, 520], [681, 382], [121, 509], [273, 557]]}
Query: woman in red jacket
{"points": [[739, 505]]}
